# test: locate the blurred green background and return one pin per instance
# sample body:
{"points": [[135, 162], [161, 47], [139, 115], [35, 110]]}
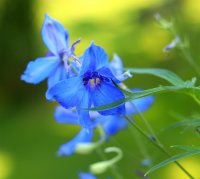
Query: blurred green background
{"points": [[29, 136]]}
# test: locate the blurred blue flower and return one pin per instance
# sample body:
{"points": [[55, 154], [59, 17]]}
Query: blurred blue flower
{"points": [[93, 85], [55, 65], [173, 44], [86, 176], [84, 136], [146, 162]]}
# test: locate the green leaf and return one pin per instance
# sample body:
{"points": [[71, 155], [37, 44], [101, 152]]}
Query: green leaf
{"points": [[187, 122], [192, 91], [179, 85], [139, 94], [162, 73], [190, 152], [186, 148]]}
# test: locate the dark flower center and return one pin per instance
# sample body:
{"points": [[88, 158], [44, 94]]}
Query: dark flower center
{"points": [[93, 79]]}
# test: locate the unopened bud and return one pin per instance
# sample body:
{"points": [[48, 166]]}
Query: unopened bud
{"points": [[100, 167], [86, 148]]}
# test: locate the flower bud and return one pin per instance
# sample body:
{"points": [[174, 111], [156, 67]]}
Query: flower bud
{"points": [[100, 167]]}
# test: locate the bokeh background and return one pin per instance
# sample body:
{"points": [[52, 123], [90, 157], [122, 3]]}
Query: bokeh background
{"points": [[29, 136]]}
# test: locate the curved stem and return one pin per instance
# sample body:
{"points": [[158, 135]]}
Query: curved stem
{"points": [[161, 148]]}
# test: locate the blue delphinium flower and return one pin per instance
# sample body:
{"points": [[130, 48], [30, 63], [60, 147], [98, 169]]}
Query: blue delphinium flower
{"points": [[111, 124], [94, 85], [55, 65], [86, 176]]}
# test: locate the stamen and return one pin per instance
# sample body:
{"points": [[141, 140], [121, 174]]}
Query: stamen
{"points": [[93, 79]]}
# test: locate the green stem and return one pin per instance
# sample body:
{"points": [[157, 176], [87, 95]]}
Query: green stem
{"points": [[161, 148], [146, 123], [140, 144], [190, 60], [113, 169], [185, 51]]}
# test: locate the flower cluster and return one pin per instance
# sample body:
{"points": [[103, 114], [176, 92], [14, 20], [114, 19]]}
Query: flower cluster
{"points": [[78, 83]]}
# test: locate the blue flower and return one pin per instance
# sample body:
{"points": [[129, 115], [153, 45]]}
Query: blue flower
{"points": [[173, 44], [94, 85], [55, 65], [84, 136], [86, 176]]}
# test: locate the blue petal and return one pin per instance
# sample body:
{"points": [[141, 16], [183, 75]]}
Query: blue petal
{"points": [[107, 93], [54, 35], [141, 104], [58, 75], [94, 58], [69, 93], [86, 176], [84, 136], [85, 120], [116, 65], [112, 124], [68, 116], [41, 68]]}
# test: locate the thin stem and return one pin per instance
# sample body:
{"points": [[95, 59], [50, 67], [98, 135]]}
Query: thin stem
{"points": [[185, 52], [113, 169], [161, 148], [141, 147], [146, 124], [190, 60]]}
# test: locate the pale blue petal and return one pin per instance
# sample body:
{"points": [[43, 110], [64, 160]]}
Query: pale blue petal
{"points": [[54, 35], [68, 116], [124, 76], [58, 75], [84, 136], [85, 119], [107, 93], [94, 115], [94, 58], [36, 71], [86, 176], [69, 93], [140, 104], [116, 65], [112, 124]]}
